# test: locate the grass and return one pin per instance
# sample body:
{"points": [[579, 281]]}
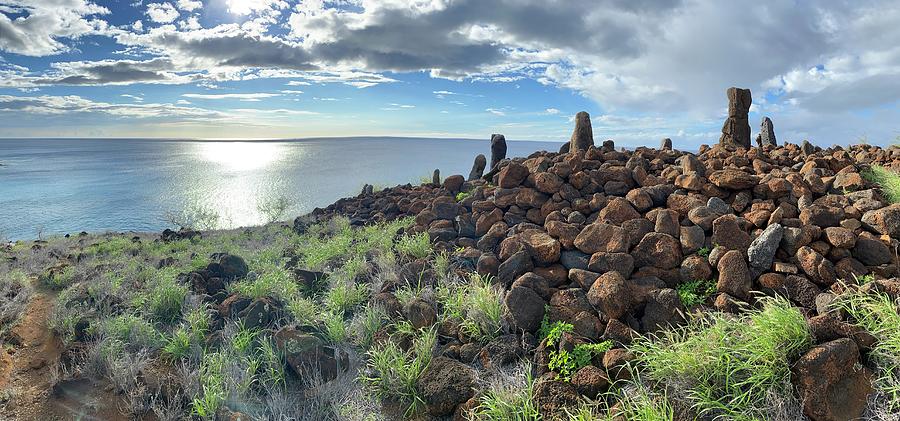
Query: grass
{"points": [[415, 245], [729, 366], [462, 196], [15, 291], [165, 299], [887, 180], [393, 373], [508, 398], [475, 305], [696, 292], [877, 314], [703, 252]]}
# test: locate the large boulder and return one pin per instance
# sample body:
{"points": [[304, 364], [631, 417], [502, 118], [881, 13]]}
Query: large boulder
{"points": [[601, 237], [734, 276], [732, 179], [611, 295], [525, 308], [543, 248], [308, 355], [478, 167], [227, 266], [762, 250], [444, 384], [658, 250], [832, 384], [885, 220]]}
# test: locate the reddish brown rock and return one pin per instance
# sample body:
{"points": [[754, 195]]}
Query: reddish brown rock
{"points": [[832, 384], [599, 237], [734, 276], [657, 250]]}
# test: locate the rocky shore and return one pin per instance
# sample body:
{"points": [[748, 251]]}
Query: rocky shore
{"points": [[740, 282]]}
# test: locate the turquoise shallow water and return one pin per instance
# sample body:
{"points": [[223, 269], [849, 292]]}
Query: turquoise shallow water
{"points": [[58, 186]]}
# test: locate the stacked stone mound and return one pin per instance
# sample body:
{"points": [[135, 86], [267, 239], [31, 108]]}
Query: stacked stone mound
{"points": [[602, 238]]}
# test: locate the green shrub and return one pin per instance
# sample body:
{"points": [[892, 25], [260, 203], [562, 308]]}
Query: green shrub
{"points": [[696, 292], [553, 331], [59, 278], [462, 196], [877, 314], [729, 366], [272, 208], [703, 252], [887, 180]]}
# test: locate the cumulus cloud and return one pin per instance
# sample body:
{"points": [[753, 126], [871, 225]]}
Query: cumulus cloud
{"points": [[189, 5], [657, 57], [162, 12], [39, 28]]}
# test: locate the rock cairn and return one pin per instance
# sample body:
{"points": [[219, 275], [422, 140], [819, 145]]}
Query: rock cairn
{"points": [[736, 130]]}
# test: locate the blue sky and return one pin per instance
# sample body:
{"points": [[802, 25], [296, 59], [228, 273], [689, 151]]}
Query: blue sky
{"points": [[440, 68]]}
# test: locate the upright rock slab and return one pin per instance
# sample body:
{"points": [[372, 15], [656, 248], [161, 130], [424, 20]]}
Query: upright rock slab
{"points": [[583, 136], [736, 130], [498, 149], [478, 167], [766, 134]]}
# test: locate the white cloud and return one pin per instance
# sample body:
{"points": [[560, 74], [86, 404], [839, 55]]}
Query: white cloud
{"points": [[40, 27], [138, 26], [495, 111], [133, 97], [252, 97], [162, 12], [189, 5], [291, 92], [73, 104], [551, 111]]}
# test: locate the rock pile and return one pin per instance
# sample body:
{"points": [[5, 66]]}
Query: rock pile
{"points": [[602, 239]]}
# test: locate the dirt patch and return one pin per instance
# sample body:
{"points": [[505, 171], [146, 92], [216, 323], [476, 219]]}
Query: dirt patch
{"points": [[27, 378]]}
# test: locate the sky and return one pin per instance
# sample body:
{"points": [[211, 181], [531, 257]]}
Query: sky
{"points": [[824, 71]]}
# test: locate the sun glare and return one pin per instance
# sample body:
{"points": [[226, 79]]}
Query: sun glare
{"points": [[244, 7], [241, 156]]}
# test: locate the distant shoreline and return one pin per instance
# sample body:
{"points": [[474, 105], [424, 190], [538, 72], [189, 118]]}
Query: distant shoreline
{"points": [[269, 140]]}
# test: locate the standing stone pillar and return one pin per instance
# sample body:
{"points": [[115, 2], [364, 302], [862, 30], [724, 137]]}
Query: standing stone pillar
{"points": [[478, 167], [498, 149], [436, 177], [583, 135], [766, 134], [736, 130], [665, 144]]}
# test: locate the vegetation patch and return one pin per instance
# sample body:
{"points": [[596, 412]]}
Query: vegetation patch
{"points": [[475, 305], [729, 366], [877, 314], [887, 180], [696, 292]]}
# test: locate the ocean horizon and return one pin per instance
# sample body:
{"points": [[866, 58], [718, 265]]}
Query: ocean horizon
{"points": [[55, 186]]}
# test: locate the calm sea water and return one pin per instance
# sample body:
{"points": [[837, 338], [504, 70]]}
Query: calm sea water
{"points": [[57, 186]]}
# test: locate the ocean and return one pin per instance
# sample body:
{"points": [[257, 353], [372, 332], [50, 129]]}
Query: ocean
{"points": [[59, 186]]}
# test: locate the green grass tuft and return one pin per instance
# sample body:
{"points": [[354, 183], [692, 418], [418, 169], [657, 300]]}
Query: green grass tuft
{"points": [[728, 366], [393, 373], [415, 245], [476, 306], [887, 180], [509, 401]]}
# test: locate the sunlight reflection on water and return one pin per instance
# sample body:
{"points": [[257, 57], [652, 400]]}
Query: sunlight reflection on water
{"points": [[59, 186]]}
